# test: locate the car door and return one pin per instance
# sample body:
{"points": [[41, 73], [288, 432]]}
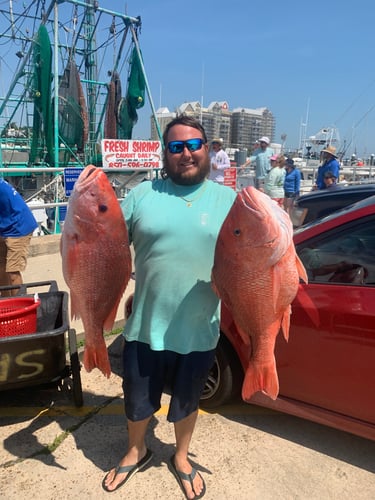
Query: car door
{"points": [[329, 360]]}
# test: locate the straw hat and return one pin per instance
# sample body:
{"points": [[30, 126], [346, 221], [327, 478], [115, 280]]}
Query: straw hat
{"points": [[330, 150]]}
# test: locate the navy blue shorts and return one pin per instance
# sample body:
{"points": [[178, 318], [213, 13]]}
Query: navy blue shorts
{"points": [[147, 374]]}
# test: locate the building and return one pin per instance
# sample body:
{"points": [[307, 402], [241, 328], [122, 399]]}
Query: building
{"points": [[164, 116], [248, 125], [239, 128]]}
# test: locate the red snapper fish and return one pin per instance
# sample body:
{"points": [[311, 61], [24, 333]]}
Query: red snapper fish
{"points": [[256, 274], [96, 261]]}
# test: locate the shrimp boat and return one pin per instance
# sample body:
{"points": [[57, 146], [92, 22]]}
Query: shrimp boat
{"points": [[74, 75]]}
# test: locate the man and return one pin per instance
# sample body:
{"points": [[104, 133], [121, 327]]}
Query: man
{"points": [[219, 161], [17, 225], [172, 332], [261, 156], [329, 164]]}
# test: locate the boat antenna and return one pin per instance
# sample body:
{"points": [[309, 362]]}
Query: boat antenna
{"points": [[202, 89]]}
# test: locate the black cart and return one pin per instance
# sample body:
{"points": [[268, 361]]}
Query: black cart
{"points": [[38, 358]]}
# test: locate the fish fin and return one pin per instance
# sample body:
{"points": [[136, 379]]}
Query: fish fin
{"points": [[96, 356], [277, 277], [109, 322], [301, 270], [285, 322], [260, 377], [74, 313], [244, 336]]}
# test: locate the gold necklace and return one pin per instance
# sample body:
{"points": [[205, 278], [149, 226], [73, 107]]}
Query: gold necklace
{"points": [[190, 202]]}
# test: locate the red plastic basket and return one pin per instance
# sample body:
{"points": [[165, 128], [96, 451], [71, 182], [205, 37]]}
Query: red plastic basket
{"points": [[18, 316]]}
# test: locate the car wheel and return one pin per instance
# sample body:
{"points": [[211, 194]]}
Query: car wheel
{"points": [[224, 379]]}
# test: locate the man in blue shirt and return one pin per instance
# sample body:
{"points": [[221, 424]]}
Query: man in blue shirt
{"points": [[330, 164], [17, 225]]}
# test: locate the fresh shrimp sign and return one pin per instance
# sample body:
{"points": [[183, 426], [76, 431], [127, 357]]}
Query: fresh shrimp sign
{"points": [[131, 154]]}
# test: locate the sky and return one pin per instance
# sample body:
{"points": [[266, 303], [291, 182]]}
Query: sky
{"points": [[310, 63]]}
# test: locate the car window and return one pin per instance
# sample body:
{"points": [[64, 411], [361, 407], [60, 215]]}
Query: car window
{"points": [[344, 256]]}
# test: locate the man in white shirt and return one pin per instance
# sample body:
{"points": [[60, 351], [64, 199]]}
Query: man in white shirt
{"points": [[219, 161]]}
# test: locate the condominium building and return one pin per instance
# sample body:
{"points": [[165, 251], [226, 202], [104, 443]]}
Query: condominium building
{"points": [[239, 128], [248, 125]]}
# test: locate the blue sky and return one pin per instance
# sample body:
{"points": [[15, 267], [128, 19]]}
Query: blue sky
{"points": [[300, 59], [308, 62]]}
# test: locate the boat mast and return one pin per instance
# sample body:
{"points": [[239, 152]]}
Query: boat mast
{"points": [[91, 74]]}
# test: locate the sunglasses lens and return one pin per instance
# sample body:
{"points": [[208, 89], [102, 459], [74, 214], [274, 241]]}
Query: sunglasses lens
{"points": [[176, 147], [192, 145]]}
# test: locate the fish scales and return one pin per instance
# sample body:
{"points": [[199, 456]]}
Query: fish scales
{"points": [[96, 261], [256, 273]]}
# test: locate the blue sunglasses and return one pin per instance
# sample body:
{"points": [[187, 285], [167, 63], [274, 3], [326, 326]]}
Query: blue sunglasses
{"points": [[176, 147]]}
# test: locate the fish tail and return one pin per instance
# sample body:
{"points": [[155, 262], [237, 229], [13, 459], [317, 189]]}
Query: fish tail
{"points": [[260, 377], [96, 356]]}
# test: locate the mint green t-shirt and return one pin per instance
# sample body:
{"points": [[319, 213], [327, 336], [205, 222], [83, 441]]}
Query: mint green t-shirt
{"points": [[174, 229]]}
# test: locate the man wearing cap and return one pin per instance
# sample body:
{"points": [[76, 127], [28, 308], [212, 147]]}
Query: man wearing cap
{"points": [[219, 161], [330, 164], [261, 156]]}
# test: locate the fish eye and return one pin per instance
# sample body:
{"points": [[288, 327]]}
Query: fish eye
{"points": [[103, 208], [237, 232]]}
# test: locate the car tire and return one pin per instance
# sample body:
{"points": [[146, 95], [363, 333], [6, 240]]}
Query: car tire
{"points": [[225, 378]]}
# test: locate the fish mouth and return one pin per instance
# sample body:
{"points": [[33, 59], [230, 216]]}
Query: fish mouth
{"points": [[91, 170], [250, 198], [87, 176], [251, 202]]}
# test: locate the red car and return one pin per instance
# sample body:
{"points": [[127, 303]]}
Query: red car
{"points": [[327, 369]]}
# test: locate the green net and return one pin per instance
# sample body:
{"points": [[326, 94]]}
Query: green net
{"points": [[41, 91]]}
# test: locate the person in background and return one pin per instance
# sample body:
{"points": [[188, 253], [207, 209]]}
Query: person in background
{"points": [[330, 180], [261, 156], [219, 161], [17, 225], [292, 185], [274, 182], [342, 181], [173, 329], [329, 164]]}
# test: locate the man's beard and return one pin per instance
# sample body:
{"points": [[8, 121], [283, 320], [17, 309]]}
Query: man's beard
{"points": [[188, 180]]}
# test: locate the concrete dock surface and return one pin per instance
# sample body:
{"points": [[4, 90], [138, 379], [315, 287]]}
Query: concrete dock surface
{"points": [[53, 450]]}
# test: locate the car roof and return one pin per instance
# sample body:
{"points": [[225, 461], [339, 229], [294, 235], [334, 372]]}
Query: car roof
{"points": [[339, 191], [346, 214]]}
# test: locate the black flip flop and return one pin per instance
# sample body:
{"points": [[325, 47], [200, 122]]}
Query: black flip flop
{"points": [[180, 476], [130, 469]]}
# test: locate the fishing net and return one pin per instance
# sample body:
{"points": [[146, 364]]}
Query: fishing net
{"points": [[72, 109], [41, 93]]}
